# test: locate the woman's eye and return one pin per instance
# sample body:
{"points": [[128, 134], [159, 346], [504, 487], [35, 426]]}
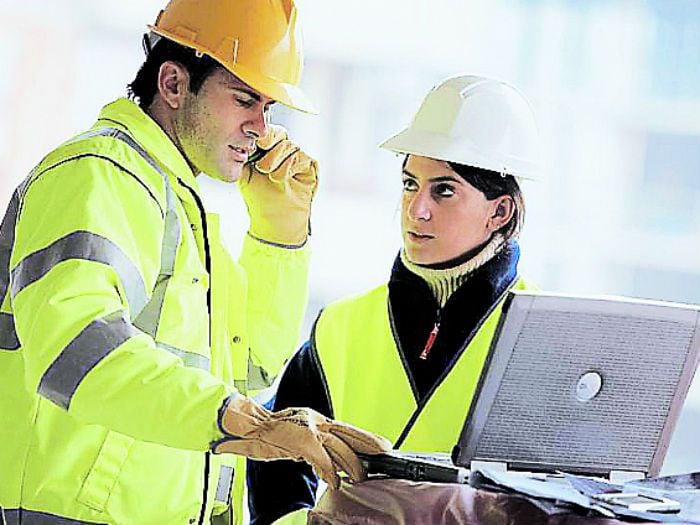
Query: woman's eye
{"points": [[444, 190], [409, 185]]}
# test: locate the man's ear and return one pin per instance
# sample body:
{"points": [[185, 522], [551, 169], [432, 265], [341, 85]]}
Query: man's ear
{"points": [[503, 209], [173, 83]]}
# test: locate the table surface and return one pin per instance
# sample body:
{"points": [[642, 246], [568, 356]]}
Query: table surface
{"points": [[402, 502]]}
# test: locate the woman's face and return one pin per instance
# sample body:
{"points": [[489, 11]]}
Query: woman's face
{"points": [[442, 215]]}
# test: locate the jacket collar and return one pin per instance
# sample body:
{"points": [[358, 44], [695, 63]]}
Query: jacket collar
{"points": [[149, 135], [414, 312]]}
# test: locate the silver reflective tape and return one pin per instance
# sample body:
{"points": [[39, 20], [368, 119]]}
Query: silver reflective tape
{"points": [[82, 354], [149, 317], [82, 245], [171, 238], [241, 385], [7, 241], [223, 488], [8, 334], [188, 358], [33, 517], [258, 378]]}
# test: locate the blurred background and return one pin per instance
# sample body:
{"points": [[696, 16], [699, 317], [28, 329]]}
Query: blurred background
{"points": [[615, 86]]}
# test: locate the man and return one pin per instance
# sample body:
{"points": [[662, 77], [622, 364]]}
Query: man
{"points": [[124, 326]]}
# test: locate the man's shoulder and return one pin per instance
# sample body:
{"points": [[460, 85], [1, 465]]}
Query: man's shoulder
{"points": [[99, 151]]}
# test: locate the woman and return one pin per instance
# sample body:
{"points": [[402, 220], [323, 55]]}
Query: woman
{"points": [[399, 358]]}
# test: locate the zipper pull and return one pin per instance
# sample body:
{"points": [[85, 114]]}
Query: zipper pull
{"points": [[431, 338]]}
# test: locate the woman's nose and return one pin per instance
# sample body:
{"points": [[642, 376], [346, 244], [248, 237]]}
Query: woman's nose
{"points": [[419, 208]]}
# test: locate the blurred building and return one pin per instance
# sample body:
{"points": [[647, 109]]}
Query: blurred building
{"points": [[615, 86]]}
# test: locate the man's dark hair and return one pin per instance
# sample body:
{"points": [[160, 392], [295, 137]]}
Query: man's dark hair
{"points": [[493, 185], [145, 86]]}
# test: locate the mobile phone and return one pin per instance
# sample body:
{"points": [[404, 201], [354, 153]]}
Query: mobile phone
{"points": [[639, 502]]}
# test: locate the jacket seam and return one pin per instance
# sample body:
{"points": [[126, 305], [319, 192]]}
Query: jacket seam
{"points": [[402, 355], [93, 155], [321, 372]]}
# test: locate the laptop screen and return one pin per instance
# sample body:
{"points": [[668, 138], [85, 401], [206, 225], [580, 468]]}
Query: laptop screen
{"points": [[588, 385]]}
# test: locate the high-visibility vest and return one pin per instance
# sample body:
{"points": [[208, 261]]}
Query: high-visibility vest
{"points": [[367, 381], [112, 368]]}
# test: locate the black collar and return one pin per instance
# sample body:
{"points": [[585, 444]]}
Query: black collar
{"points": [[414, 310]]}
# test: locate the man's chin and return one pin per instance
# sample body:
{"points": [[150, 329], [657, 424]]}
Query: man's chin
{"points": [[230, 177]]}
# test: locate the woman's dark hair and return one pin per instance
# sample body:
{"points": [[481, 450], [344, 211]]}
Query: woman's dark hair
{"points": [[144, 87], [494, 185]]}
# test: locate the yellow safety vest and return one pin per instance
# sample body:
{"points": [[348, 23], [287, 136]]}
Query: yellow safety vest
{"points": [[367, 381], [112, 369]]}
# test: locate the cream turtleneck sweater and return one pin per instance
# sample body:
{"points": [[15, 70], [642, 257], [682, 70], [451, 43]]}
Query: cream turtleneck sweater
{"points": [[444, 282]]}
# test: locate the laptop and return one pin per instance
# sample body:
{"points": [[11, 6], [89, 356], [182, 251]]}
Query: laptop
{"points": [[584, 385]]}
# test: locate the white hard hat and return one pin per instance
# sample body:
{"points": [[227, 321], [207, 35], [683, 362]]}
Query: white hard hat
{"points": [[474, 121]]}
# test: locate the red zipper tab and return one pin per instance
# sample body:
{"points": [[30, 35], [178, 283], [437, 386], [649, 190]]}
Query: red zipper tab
{"points": [[430, 342]]}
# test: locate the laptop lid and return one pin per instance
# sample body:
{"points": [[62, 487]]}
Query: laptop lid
{"points": [[585, 385]]}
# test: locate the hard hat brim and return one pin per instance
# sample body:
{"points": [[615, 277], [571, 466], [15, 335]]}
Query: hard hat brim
{"points": [[287, 94], [436, 146]]}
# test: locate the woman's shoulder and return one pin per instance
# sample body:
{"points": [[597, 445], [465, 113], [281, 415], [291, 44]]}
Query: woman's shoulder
{"points": [[359, 302]]}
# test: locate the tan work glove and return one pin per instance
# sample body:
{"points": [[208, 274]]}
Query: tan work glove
{"points": [[301, 434], [277, 186]]}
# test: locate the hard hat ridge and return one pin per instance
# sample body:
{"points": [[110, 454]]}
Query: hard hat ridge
{"points": [[476, 121]]}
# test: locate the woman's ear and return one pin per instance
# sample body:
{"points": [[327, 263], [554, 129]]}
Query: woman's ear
{"points": [[502, 212]]}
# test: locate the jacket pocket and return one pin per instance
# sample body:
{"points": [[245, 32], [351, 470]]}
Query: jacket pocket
{"points": [[104, 473]]}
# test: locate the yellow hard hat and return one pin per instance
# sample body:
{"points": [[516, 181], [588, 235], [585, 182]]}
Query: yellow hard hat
{"points": [[259, 41]]}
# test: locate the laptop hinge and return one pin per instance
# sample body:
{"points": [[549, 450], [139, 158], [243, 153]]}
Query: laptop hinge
{"points": [[498, 466], [623, 476]]}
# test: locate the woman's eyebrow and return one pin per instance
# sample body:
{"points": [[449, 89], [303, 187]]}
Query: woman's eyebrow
{"points": [[409, 174], [444, 178]]}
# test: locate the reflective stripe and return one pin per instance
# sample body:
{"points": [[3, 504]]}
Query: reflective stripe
{"points": [[258, 378], [7, 241], [8, 334], [149, 317], [87, 246], [188, 358], [223, 488], [33, 517], [92, 345]]}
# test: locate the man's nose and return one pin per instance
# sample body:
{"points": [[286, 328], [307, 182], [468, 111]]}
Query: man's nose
{"points": [[256, 127]]}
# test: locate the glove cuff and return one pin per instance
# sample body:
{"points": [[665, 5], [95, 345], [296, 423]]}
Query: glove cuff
{"points": [[240, 415], [279, 244], [222, 411]]}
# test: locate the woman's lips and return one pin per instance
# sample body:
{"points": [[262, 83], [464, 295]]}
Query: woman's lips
{"points": [[420, 237]]}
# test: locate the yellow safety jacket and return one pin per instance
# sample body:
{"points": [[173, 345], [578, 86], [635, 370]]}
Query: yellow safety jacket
{"points": [[367, 382], [124, 326]]}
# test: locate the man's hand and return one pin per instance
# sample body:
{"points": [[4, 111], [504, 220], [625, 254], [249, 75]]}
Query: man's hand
{"points": [[277, 187], [300, 434]]}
